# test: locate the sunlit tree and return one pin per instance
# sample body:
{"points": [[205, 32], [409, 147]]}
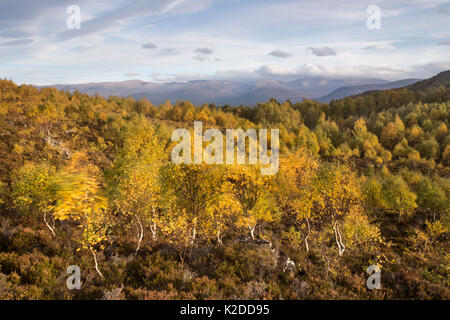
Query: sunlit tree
{"points": [[295, 194], [135, 180], [339, 194], [77, 197], [253, 192]]}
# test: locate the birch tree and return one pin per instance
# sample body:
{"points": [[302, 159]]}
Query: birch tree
{"points": [[76, 197], [252, 191], [29, 185], [135, 185], [295, 193], [338, 193], [192, 190]]}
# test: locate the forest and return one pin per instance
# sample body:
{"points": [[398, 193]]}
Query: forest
{"points": [[88, 181]]}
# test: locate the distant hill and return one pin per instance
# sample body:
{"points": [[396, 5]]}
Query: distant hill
{"points": [[354, 90], [221, 91]]}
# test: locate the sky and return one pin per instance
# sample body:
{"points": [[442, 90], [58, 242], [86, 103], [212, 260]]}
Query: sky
{"points": [[183, 40]]}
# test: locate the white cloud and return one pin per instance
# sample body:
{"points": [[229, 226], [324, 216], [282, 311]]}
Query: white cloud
{"points": [[379, 46], [131, 74], [271, 71], [138, 8], [169, 51], [443, 10], [20, 42], [191, 6]]}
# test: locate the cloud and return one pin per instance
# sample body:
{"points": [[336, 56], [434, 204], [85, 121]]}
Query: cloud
{"points": [[113, 35], [379, 46], [322, 52], [327, 72], [269, 70], [131, 74], [20, 42], [204, 51], [15, 14], [280, 54], [138, 8], [15, 34], [200, 58], [191, 6], [320, 10], [116, 17], [443, 10], [169, 51], [43, 18], [444, 43], [202, 54], [84, 48], [429, 69], [149, 46]]}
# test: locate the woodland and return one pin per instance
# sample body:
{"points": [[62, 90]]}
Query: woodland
{"points": [[88, 181]]}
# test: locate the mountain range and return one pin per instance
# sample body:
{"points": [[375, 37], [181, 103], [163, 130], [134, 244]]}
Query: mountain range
{"points": [[224, 92]]}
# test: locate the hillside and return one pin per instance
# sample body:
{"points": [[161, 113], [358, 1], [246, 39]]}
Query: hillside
{"points": [[439, 81], [435, 89], [354, 90]]}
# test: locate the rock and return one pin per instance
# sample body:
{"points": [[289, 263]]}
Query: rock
{"points": [[188, 275], [264, 242], [114, 294], [243, 239], [302, 288], [59, 146], [289, 265], [255, 290]]}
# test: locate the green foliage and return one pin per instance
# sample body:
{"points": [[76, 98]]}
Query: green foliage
{"points": [[29, 185], [135, 184], [391, 193], [431, 197], [190, 192]]}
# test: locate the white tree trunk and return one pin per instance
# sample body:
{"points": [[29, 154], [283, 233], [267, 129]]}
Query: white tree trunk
{"points": [[340, 241], [48, 225], [154, 231], [337, 234], [219, 237], [307, 235], [140, 235], [194, 233], [252, 231], [96, 263], [153, 226]]}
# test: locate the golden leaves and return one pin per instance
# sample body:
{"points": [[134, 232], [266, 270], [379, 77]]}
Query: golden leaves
{"points": [[76, 196]]}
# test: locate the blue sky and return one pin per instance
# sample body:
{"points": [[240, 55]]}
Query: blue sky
{"points": [[180, 40]]}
